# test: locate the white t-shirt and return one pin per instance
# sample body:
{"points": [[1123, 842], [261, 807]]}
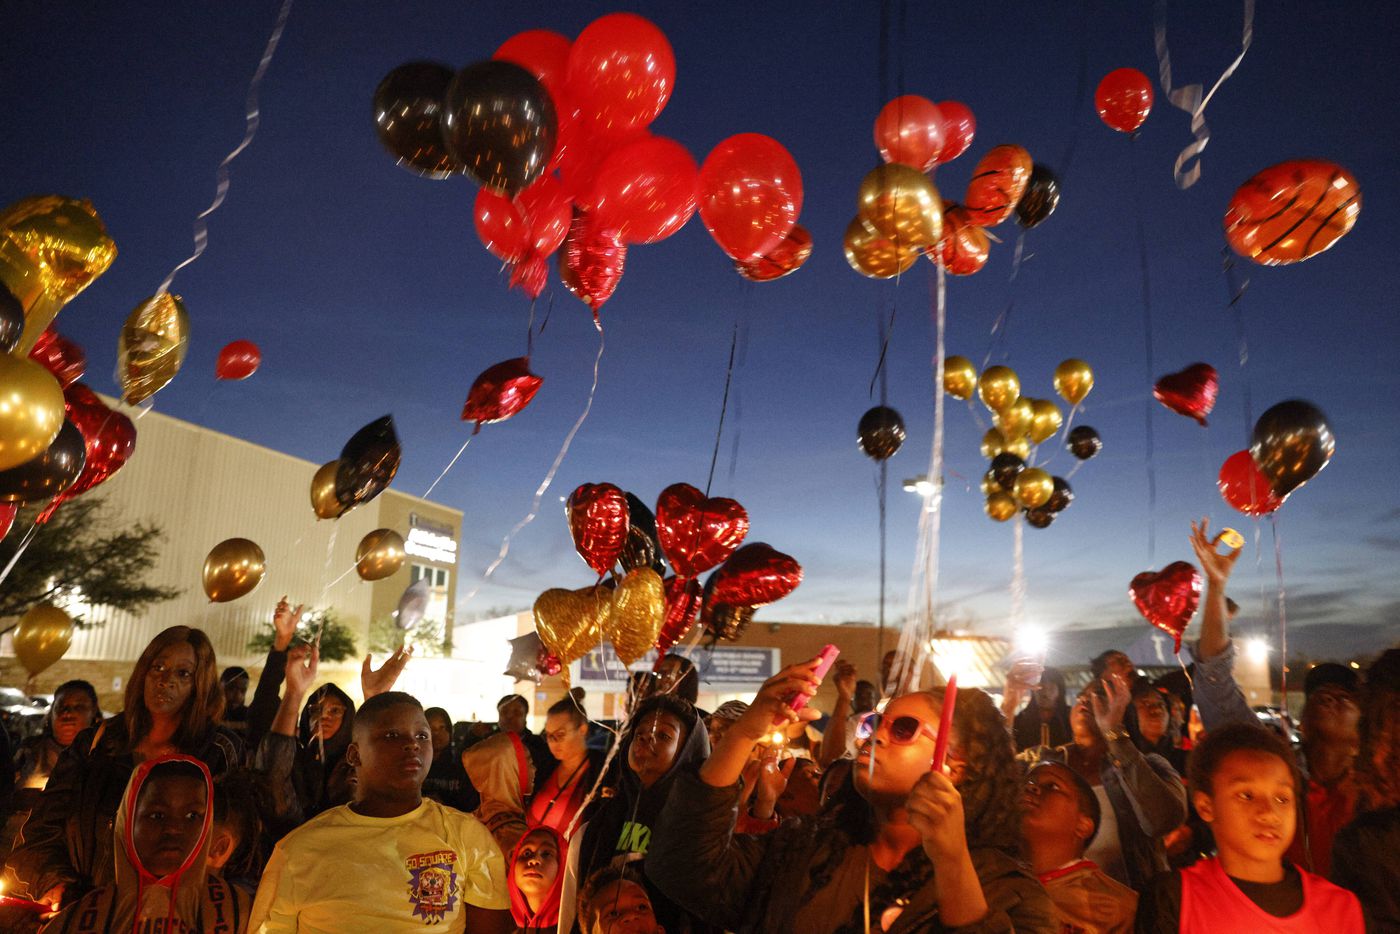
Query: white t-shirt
{"points": [[342, 871], [1105, 849]]}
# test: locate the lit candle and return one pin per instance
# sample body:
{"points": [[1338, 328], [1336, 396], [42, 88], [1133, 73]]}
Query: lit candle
{"points": [[945, 723]]}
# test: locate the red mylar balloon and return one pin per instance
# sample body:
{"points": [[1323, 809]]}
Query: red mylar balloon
{"points": [[500, 392], [1124, 99], [1168, 598], [591, 262], [755, 575], [529, 275], [959, 126], [501, 226], [786, 258], [544, 53], [750, 195], [7, 517], [647, 190], [965, 246], [238, 360], [698, 533], [109, 439], [621, 72], [682, 607], [997, 183], [60, 356], [1292, 211], [1190, 392], [1244, 486], [547, 210], [909, 130], [598, 521]]}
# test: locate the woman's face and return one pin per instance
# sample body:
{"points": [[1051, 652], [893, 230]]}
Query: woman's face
{"points": [[897, 767], [536, 867], [73, 712], [567, 739], [329, 712], [170, 680], [442, 732], [1152, 715], [1081, 722], [655, 743]]}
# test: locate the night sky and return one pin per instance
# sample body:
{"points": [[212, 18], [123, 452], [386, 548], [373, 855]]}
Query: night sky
{"points": [[368, 291]]}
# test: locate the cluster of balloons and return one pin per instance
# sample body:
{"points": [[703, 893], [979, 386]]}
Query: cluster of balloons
{"points": [[1291, 443], [639, 608], [1292, 211], [1012, 484]]}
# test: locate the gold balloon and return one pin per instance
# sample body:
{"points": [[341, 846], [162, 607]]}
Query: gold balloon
{"points": [[959, 377], [234, 568], [1073, 380], [31, 410], [1033, 487], [989, 484], [51, 248], [638, 609], [1045, 421], [42, 636], [992, 443], [570, 622], [872, 255], [323, 499], [379, 555], [1014, 421], [999, 387], [1001, 506], [152, 346], [900, 203]]}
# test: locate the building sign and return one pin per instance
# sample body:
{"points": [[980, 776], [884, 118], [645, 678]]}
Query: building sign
{"points": [[430, 541], [723, 668]]}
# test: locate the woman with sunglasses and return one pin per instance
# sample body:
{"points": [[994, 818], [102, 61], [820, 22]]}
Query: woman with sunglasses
{"points": [[910, 848]]}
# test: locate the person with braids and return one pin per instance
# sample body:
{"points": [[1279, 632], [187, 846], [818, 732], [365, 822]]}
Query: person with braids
{"points": [[899, 847]]}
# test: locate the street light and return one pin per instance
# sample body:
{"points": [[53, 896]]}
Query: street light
{"points": [[921, 485]]}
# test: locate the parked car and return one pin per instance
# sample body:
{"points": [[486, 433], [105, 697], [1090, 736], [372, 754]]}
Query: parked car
{"points": [[21, 717]]}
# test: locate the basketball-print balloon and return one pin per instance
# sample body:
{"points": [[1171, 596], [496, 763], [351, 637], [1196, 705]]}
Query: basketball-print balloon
{"points": [[965, 246], [1292, 211], [997, 183]]}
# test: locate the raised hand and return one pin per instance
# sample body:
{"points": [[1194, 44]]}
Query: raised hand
{"points": [[302, 662], [284, 623], [1109, 709], [1216, 567], [772, 781], [769, 709], [378, 681], [845, 677]]}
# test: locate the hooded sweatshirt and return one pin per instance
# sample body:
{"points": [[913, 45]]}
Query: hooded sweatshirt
{"points": [[321, 775], [190, 899], [501, 770], [548, 915]]}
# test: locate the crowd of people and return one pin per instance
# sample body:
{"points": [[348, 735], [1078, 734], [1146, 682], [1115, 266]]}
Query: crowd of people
{"points": [[1135, 805]]}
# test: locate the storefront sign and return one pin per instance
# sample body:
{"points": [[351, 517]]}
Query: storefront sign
{"points": [[723, 668], [430, 541]]}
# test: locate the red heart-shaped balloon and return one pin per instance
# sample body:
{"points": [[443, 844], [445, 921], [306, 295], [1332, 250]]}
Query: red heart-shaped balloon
{"points": [[698, 533], [1168, 598], [682, 606], [755, 575], [598, 520], [591, 263], [7, 518], [1190, 392], [109, 438], [500, 391]]}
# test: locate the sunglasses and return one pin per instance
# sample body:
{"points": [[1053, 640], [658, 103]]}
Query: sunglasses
{"points": [[901, 730]]}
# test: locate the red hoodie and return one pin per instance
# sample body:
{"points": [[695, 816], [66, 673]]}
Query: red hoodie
{"points": [[547, 918]]}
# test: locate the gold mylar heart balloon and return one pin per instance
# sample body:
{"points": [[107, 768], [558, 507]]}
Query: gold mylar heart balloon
{"points": [[999, 387], [234, 568], [51, 248], [1033, 487], [42, 636], [570, 622], [1045, 420], [323, 500], [900, 204], [152, 346], [379, 555], [31, 410], [1014, 421], [638, 609], [1073, 380], [959, 377], [1001, 506]]}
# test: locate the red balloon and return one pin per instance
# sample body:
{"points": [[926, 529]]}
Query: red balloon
{"points": [[7, 517], [683, 599], [909, 130], [621, 72], [1168, 598], [529, 275], [591, 263], [755, 575], [959, 126], [501, 226], [647, 190], [1244, 486], [698, 533], [109, 439], [500, 392], [1190, 392], [598, 521], [750, 195], [238, 360], [786, 258], [544, 53], [547, 210], [1124, 99], [60, 356]]}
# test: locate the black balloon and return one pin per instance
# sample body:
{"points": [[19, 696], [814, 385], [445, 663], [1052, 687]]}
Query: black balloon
{"points": [[44, 477], [641, 550], [368, 463], [1061, 497], [1084, 442], [1040, 517], [500, 124], [880, 433], [1292, 442], [408, 117], [723, 622], [1005, 468], [11, 320], [1041, 197]]}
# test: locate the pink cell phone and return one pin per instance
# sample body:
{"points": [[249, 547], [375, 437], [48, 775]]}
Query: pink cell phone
{"points": [[828, 658]]}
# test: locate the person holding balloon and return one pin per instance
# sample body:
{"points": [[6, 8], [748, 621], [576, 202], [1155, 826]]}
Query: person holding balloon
{"points": [[173, 705]]}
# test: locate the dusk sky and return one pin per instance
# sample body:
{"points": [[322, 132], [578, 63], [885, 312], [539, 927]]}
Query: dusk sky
{"points": [[368, 291]]}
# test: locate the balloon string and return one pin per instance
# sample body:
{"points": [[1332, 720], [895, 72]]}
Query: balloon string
{"points": [[1018, 574], [548, 477], [530, 331], [1237, 283], [429, 491], [882, 493], [1081, 92], [1150, 403], [19, 551], [723, 408], [252, 118], [884, 333], [997, 337], [739, 388], [1282, 612]]}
